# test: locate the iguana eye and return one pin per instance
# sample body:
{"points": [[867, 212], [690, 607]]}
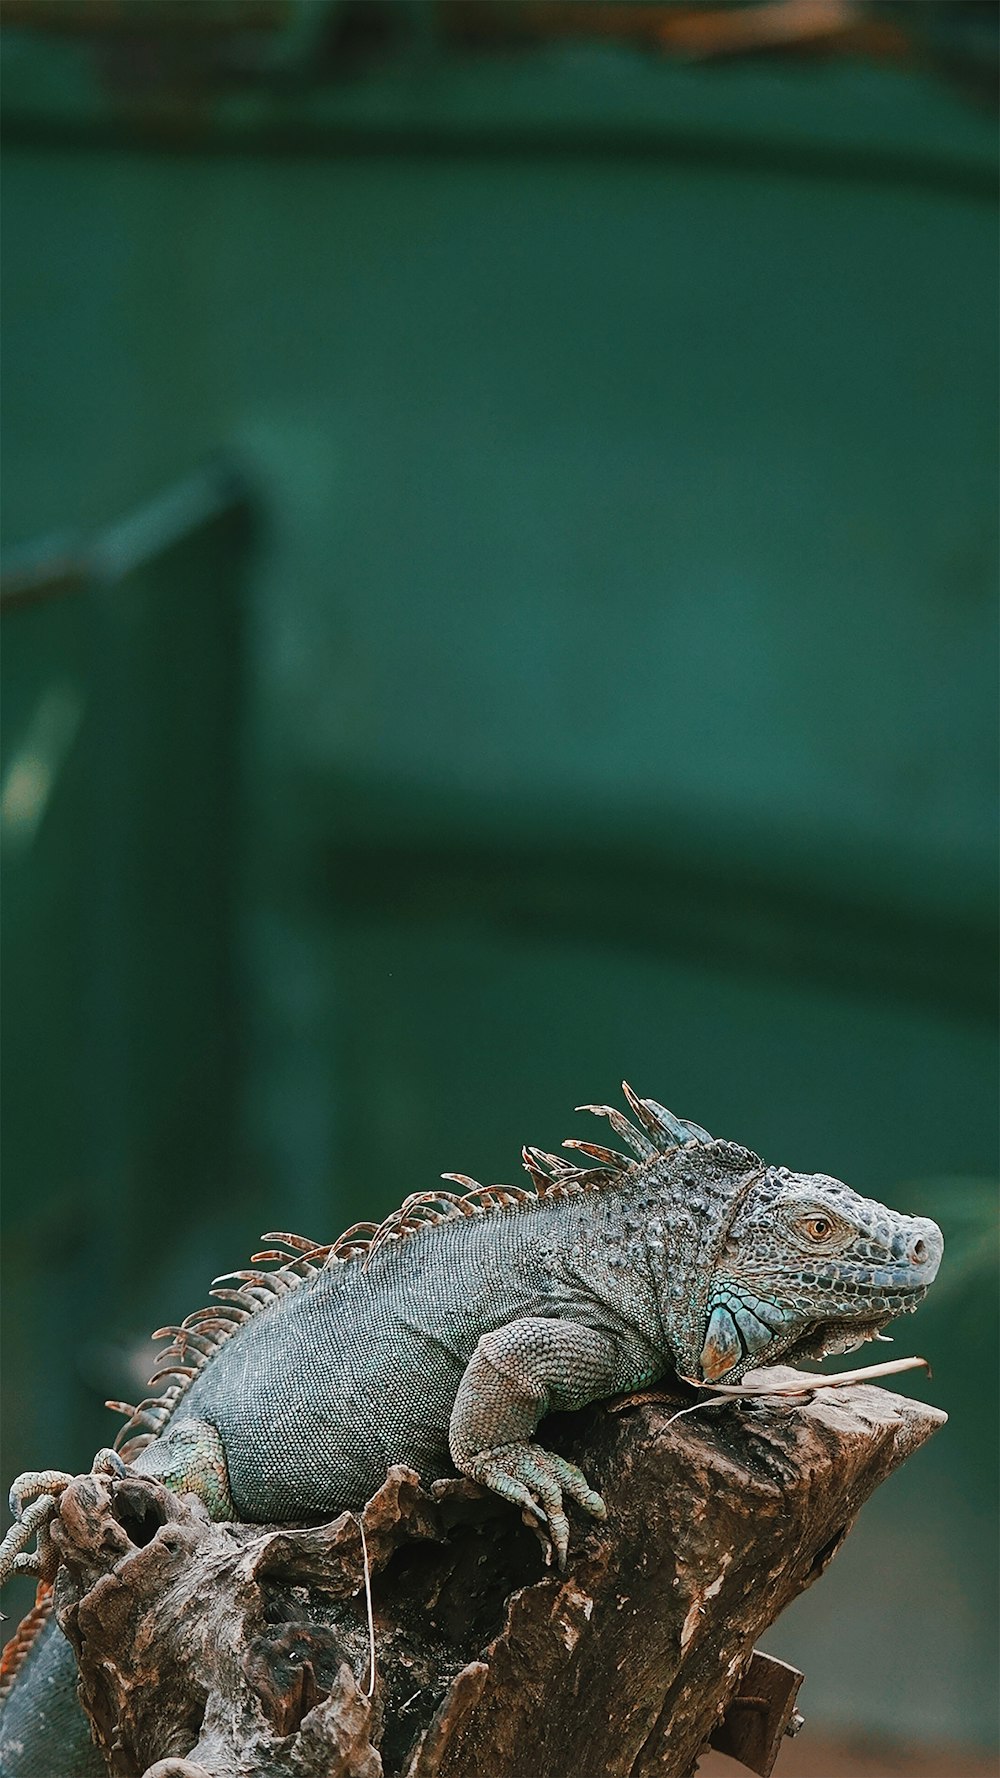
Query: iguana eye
{"points": [[808, 1222], [818, 1228]]}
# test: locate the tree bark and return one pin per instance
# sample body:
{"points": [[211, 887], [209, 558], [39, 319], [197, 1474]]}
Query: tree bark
{"points": [[225, 1650]]}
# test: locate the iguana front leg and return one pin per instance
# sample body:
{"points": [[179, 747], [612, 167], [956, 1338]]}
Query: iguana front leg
{"points": [[189, 1458], [516, 1375]]}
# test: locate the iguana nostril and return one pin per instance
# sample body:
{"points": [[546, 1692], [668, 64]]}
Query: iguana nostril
{"points": [[925, 1247]]}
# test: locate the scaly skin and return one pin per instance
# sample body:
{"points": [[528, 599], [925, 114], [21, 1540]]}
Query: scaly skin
{"points": [[460, 1323]]}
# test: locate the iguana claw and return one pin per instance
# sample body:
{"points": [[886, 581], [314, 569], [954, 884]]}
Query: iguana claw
{"points": [[34, 1499], [536, 1480]]}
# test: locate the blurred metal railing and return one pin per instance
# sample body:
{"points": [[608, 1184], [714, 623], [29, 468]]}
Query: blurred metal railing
{"points": [[120, 804]]}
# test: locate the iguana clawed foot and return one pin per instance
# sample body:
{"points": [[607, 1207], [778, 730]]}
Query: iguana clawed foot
{"points": [[187, 1458], [536, 1480], [34, 1499]]}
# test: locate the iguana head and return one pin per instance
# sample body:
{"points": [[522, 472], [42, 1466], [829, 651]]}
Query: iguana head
{"points": [[808, 1268], [743, 1263]]}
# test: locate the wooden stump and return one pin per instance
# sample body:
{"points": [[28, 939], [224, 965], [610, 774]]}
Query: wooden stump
{"points": [[224, 1649]]}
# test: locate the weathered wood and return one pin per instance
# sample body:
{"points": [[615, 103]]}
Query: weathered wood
{"points": [[761, 1714], [211, 1649]]}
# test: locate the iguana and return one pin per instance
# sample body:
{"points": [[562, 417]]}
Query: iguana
{"points": [[456, 1324]]}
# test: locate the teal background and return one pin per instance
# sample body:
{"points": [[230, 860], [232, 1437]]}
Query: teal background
{"points": [[585, 667]]}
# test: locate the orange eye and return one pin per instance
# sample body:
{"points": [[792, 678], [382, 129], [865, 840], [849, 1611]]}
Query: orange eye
{"points": [[819, 1227]]}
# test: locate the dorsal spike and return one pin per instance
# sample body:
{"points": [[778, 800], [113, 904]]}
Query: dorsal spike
{"points": [[538, 1179], [240, 1304], [191, 1340], [608, 1156], [353, 1240], [638, 1143], [553, 1165], [222, 1317], [642, 1111], [662, 1125], [299, 1243], [596, 1178], [500, 1197], [172, 1370]]}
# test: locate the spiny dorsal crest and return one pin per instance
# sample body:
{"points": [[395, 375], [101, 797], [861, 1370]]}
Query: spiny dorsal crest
{"points": [[297, 1261]]}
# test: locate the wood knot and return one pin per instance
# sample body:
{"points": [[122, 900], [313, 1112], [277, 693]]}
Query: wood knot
{"points": [[291, 1669]]}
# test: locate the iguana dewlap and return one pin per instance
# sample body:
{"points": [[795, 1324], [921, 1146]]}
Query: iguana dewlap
{"points": [[462, 1320]]}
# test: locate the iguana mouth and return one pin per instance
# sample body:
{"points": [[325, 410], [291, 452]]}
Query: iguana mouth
{"points": [[827, 1339]]}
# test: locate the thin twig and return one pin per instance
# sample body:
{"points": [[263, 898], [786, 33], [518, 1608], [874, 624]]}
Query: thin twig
{"points": [[371, 1617], [805, 1384], [808, 1380]]}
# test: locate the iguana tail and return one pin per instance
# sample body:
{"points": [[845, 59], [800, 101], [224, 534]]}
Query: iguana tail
{"points": [[39, 1707]]}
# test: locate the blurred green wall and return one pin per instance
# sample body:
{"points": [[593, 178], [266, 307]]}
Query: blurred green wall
{"points": [[619, 699]]}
